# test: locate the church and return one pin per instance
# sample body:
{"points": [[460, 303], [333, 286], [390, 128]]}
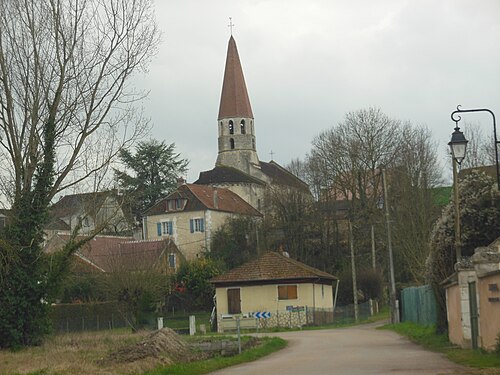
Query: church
{"points": [[239, 184]]}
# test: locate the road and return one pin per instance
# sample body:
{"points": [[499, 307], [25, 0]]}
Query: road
{"points": [[356, 350]]}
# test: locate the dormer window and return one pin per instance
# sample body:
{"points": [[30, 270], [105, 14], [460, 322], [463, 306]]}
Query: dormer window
{"points": [[242, 126], [176, 204], [231, 127]]}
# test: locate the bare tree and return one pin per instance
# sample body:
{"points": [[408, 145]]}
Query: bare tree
{"points": [[66, 108], [481, 146], [69, 62]]}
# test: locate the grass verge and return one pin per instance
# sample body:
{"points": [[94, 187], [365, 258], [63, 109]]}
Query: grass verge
{"points": [[426, 336], [269, 345]]}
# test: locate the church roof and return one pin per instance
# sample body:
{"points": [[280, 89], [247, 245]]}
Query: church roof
{"points": [[281, 176], [272, 266], [234, 101], [225, 174]]}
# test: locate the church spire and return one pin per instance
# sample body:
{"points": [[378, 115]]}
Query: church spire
{"points": [[235, 121], [234, 101]]}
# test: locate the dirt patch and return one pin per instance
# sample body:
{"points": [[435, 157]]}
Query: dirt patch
{"points": [[164, 344]]}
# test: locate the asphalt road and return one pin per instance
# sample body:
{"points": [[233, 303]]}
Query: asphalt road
{"points": [[357, 350]]}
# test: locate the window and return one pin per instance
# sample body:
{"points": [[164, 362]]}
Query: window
{"points": [[175, 204], [287, 292], [242, 127], [231, 142], [165, 228], [196, 225], [231, 127], [171, 260], [253, 144], [178, 203]]}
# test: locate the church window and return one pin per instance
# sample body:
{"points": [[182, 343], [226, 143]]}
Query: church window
{"points": [[231, 127], [242, 127], [253, 144], [231, 142]]}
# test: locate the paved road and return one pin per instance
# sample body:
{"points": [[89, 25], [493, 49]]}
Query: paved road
{"points": [[359, 350]]}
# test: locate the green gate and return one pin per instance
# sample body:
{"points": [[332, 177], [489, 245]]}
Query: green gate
{"points": [[419, 305]]}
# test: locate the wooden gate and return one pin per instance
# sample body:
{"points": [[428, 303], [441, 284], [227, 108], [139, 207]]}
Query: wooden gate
{"points": [[474, 327]]}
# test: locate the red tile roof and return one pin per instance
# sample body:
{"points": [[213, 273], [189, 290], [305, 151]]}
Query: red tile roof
{"points": [[113, 253], [220, 199], [234, 101], [272, 266]]}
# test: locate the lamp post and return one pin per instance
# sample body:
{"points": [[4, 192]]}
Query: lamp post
{"points": [[458, 146], [456, 118]]}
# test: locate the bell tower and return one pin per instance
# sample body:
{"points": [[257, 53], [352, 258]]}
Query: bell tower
{"points": [[236, 129]]}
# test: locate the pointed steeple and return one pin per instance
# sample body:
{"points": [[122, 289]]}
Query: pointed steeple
{"points": [[234, 101]]}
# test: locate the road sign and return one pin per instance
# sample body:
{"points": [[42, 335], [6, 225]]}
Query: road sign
{"points": [[262, 314]]}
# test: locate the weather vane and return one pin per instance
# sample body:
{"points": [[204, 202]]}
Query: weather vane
{"points": [[231, 24]]}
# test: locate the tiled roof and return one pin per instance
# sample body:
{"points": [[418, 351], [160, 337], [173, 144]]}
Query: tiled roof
{"points": [[281, 176], [271, 266], [113, 253], [71, 204], [224, 174], [234, 101], [203, 197]]}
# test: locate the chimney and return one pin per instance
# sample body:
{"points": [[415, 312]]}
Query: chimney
{"points": [[216, 199], [180, 181]]}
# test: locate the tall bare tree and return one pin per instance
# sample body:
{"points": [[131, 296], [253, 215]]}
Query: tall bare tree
{"points": [[66, 108]]}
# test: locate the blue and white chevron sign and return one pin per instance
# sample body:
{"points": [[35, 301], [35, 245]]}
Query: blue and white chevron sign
{"points": [[262, 314]]}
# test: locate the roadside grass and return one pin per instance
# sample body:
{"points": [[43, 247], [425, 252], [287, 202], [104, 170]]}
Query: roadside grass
{"points": [[427, 337], [269, 345]]}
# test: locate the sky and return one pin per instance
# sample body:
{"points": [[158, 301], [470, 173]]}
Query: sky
{"points": [[309, 62]]}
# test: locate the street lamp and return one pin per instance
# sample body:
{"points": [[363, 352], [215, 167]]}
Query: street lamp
{"points": [[456, 118], [458, 146]]}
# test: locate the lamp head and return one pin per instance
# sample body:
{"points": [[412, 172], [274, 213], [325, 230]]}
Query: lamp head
{"points": [[458, 145]]}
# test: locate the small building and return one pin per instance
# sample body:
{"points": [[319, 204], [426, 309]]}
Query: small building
{"points": [[473, 299], [191, 214], [274, 284]]}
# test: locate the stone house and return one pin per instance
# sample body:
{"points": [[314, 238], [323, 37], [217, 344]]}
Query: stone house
{"points": [[191, 214], [276, 284], [473, 300], [99, 210]]}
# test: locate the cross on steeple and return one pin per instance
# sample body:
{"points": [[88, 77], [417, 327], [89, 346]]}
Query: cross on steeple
{"points": [[272, 154], [231, 24]]}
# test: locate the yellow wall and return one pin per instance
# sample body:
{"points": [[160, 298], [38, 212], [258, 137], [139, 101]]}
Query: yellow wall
{"points": [[189, 244], [454, 311], [265, 298]]}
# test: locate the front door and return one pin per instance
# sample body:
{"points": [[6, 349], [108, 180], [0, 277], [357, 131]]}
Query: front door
{"points": [[474, 327], [233, 301]]}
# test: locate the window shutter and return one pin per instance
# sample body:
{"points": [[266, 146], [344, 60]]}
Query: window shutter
{"points": [[170, 228], [158, 228], [202, 225], [191, 225]]}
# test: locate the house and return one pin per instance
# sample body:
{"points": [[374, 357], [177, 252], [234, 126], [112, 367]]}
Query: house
{"points": [[99, 210], [238, 167], [473, 300], [191, 214], [276, 284], [107, 254]]}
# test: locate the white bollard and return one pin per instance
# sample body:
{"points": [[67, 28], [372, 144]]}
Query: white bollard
{"points": [[192, 325], [160, 322]]}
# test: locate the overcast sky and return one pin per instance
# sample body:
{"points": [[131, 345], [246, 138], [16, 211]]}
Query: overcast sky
{"points": [[308, 62]]}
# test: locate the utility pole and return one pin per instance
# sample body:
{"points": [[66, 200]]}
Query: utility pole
{"points": [[394, 303], [353, 267], [374, 265]]}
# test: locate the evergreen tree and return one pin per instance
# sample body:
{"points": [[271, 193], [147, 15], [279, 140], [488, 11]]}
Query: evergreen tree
{"points": [[155, 168]]}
